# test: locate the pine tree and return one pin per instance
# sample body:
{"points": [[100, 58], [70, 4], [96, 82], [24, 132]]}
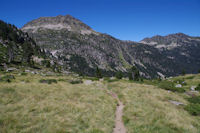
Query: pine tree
{"points": [[119, 75], [134, 74], [98, 73], [183, 72]]}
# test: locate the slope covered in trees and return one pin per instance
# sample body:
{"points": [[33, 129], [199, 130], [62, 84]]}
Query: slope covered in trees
{"points": [[16, 47]]}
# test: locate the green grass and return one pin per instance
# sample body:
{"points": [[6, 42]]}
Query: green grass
{"points": [[148, 110], [193, 109], [124, 62], [168, 85], [195, 99], [190, 80]]}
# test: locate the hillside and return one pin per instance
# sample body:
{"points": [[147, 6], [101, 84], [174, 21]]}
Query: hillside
{"points": [[59, 103], [79, 48], [15, 46], [18, 50]]}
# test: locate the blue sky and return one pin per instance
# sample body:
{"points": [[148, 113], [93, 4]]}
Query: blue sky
{"points": [[123, 19]]}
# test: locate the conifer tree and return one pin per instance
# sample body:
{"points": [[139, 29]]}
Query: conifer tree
{"points": [[98, 73]]}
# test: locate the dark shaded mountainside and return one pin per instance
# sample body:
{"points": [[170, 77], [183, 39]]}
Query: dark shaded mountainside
{"points": [[79, 48]]}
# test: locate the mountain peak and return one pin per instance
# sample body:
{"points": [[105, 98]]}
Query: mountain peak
{"points": [[178, 35], [59, 22]]}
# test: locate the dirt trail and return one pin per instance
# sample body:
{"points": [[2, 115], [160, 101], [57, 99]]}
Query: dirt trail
{"points": [[119, 125]]}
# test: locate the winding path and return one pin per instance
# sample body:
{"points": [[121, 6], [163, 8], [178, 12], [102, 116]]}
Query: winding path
{"points": [[119, 125]]}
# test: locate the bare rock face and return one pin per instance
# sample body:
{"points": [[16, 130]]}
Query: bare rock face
{"points": [[77, 47]]}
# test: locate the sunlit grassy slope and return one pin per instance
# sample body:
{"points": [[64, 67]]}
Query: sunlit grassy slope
{"points": [[28, 106], [148, 110]]}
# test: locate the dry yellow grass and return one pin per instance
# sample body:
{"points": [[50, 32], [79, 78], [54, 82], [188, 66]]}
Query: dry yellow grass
{"points": [[29, 106]]}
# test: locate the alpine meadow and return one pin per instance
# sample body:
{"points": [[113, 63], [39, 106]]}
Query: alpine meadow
{"points": [[59, 75]]}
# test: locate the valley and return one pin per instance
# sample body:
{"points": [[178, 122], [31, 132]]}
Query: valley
{"points": [[53, 102], [58, 75]]}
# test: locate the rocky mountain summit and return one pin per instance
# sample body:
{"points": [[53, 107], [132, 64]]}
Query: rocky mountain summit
{"points": [[58, 23], [77, 47]]}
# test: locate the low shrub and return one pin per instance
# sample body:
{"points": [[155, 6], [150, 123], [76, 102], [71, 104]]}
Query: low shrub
{"points": [[193, 109], [48, 81], [7, 78], [167, 85], [23, 73], [112, 80], [76, 81], [190, 77], [119, 75], [126, 120], [198, 88], [92, 78], [195, 99], [62, 79], [180, 81], [96, 131]]}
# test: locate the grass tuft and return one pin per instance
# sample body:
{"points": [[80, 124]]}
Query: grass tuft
{"points": [[76, 81], [48, 81]]}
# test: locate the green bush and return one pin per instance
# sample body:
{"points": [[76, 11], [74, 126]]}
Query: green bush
{"points": [[7, 78], [134, 74], [167, 85], [198, 88], [23, 74], [195, 99], [119, 75], [190, 77], [76, 81], [193, 109], [181, 81], [48, 81], [46, 63], [98, 73], [92, 78]]}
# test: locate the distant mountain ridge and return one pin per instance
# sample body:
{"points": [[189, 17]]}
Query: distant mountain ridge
{"points": [[79, 48]]}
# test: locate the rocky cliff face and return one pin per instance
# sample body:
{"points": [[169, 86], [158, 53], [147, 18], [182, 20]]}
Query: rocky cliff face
{"points": [[79, 48], [180, 48]]}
